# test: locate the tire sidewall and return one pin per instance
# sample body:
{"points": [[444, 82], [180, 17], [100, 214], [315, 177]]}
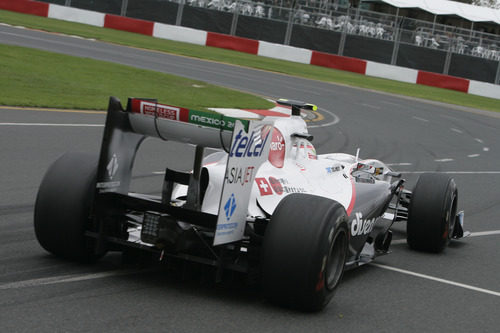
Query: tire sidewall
{"points": [[326, 292], [295, 252], [431, 213], [63, 204]]}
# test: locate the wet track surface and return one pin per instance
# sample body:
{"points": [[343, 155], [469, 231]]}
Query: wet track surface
{"points": [[41, 293]]}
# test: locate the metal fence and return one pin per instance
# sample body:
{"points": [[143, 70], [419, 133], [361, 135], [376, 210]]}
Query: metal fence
{"points": [[329, 27]]}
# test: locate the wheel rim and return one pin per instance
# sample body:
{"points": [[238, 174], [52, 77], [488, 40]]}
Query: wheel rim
{"points": [[336, 259], [450, 224]]}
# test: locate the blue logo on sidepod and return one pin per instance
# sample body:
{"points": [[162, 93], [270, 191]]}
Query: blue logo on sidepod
{"points": [[249, 145], [230, 207]]}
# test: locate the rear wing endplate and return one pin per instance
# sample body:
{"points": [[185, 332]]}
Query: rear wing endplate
{"points": [[247, 143], [249, 149]]}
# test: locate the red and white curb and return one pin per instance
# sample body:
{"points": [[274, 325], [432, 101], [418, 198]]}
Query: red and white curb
{"points": [[260, 48]]}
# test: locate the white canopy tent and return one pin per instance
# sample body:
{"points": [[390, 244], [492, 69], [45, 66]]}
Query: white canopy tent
{"points": [[445, 7]]}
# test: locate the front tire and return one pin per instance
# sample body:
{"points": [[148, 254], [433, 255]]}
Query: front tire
{"points": [[63, 204], [432, 212], [304, 252]]}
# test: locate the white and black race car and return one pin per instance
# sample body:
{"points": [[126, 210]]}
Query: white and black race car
{"points": [[265, 203]]}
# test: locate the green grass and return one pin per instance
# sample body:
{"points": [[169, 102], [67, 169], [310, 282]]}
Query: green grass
{"points": [[247, 60], [43, 79]]}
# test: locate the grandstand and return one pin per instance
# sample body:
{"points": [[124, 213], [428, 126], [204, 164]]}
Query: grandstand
{"points": [[340, 15]]}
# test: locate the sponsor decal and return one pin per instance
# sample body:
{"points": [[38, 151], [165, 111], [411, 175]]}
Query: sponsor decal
{"points": [[293, 189], [227, 226], [282, 185], [212, 120], [361, 227], [112, 167], [239, 175], [160, 110], [264, 187], [277, 149], [105, 187], [276, 185], [249, 149], [230, 206], [333, 169], [245, 145], [300, 166]]}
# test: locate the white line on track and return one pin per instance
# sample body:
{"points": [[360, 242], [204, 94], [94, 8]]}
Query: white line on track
{"points": [[429, 277], [457, 130], [443, 160], [20, 108], [486, 149], [14, 26], [472, 234], [371, 106], [415, 172], [421, 119], [390, 103], [399, 164], [479, 140], [45, 39], [94, 276], [457, 172], [54, 125], [473, 155], [450, 117], [64, 279], [484, 233]]}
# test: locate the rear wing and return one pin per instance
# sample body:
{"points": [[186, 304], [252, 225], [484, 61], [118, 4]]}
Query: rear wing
{"points": [[167, 122], [125, 130]]}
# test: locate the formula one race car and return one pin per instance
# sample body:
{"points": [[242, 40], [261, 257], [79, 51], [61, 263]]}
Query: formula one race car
{"points": [[264, 204]]}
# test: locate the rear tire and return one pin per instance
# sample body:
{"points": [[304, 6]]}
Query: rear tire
{"points": [[432, 211], [304, 251], [63, 205]]}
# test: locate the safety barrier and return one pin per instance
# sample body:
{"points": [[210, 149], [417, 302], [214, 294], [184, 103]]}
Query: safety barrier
{"points": [[277, 51]]}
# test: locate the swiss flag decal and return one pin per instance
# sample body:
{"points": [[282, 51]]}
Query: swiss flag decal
{"points": [[264, 187]]}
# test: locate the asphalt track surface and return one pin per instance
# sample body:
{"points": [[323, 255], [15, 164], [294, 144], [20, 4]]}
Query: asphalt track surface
{"points": [[458, 290]]}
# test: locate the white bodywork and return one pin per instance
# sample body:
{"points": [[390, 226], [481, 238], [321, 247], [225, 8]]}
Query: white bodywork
{"points": [[292, 167], [268, 159]]}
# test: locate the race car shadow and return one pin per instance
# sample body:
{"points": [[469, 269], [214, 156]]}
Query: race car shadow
{"points": [[457, 244], [194, 280], [233, 290], [174, 284]]}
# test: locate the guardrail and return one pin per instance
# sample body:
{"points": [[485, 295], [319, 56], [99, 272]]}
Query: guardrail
{"points": [[252, 46], [353, 32]]}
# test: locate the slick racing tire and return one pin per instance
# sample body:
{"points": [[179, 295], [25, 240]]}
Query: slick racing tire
{"points": [[432, 212], [62, 207], [304, 252]]}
